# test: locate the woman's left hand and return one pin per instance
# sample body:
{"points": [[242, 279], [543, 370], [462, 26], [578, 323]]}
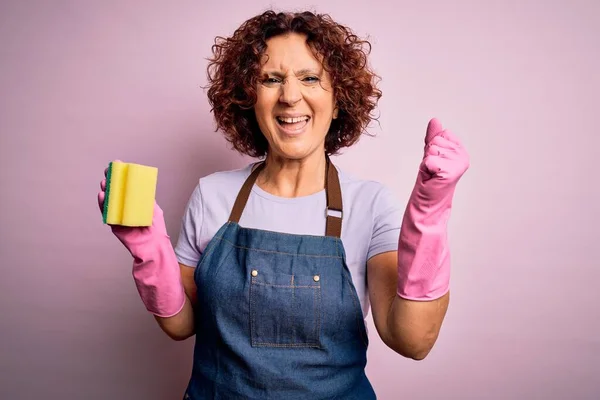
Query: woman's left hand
{"points": [[445, 160], [423, 252]]}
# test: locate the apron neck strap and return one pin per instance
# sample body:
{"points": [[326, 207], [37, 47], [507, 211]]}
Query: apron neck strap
{"points": [[332, 190]]}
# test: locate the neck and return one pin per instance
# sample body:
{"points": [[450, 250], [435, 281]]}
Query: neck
{"points": [[293, 178]]}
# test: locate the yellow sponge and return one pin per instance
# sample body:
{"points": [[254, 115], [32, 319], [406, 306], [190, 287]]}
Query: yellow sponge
{"points": [[130, 194]]}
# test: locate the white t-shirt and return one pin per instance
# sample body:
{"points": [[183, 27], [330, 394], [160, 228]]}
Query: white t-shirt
{"points": [[371, 218]]}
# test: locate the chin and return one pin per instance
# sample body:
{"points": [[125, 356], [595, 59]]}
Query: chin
{"points": [[295, 152]]}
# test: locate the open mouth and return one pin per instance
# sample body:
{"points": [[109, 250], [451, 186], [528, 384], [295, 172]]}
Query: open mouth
{"points": [[293, 123]]}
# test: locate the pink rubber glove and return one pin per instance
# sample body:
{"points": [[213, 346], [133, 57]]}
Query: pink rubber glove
{"points": [[155, 267], [423, 252]]}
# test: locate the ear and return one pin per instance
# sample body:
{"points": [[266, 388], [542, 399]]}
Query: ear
{"points": [[335, 113]]}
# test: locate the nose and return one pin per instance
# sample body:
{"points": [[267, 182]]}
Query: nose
{"points": [[290, 92]]}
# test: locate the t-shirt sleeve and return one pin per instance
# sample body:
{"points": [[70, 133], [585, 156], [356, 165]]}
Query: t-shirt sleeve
{"points": [[187, 249], [387, 219]]}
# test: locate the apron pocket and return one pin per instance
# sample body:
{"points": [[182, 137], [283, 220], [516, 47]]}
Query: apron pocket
{"points": [[285, 310]]}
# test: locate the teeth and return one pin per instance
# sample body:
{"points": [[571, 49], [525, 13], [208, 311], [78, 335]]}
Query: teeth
{"points": [[292, 120]]}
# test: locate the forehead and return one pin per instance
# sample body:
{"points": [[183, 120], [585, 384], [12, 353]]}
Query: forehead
{"points": [[289, 51]]}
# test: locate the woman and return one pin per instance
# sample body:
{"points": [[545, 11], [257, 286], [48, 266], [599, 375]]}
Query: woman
{"points": [[269, 272]]}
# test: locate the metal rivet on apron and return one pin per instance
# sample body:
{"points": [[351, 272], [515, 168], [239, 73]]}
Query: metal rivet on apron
{"points": [[254, 272], [316, 278]]}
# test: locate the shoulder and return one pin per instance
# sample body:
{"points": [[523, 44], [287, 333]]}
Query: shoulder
{"points": [[225, 179], [216, 192], [367, 194], [221, 184], [372, 218]]}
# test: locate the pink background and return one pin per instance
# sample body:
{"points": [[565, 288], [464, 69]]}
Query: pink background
{"points": [[517, 81]]}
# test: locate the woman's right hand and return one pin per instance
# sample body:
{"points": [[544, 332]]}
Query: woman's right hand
{"points": [[131, 235], [155, 267]]}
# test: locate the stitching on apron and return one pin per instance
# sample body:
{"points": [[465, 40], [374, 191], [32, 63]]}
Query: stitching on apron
{"points": [[317, 312], [273, 251], [288, 286], [315, 345], [316, 326], [356, 304]]}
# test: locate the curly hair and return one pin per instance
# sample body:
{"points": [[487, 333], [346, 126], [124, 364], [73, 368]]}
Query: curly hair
{"points": [[235, 69]]}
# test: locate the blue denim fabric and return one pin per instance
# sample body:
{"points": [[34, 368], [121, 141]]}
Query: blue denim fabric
{"points": [[277, 317]]}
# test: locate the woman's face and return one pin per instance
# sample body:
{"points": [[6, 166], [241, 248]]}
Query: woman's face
{"points": [[295, 102]]}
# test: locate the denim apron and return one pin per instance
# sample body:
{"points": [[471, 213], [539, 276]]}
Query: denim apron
{"points": [[277, 315]]}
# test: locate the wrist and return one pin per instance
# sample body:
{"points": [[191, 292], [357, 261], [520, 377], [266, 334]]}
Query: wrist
{"points": [[423, 257], [158, 278]]}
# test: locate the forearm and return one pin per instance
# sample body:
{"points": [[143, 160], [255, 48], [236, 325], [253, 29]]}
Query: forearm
{"points": [[413, 326], [421, 300], [181, 325], [409, 327]]}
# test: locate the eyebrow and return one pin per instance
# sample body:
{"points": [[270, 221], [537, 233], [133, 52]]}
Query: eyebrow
{"points": [[304, 71]]}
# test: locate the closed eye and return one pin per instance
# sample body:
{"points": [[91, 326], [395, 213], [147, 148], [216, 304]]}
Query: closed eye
{"points": [[271, 80], [310, 79]]}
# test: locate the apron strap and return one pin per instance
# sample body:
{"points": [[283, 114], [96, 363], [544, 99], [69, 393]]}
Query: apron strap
{"points": [[332, 190], [244, 193]]}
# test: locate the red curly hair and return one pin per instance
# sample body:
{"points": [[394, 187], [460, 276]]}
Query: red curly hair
{"points": [[235, 69]]}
